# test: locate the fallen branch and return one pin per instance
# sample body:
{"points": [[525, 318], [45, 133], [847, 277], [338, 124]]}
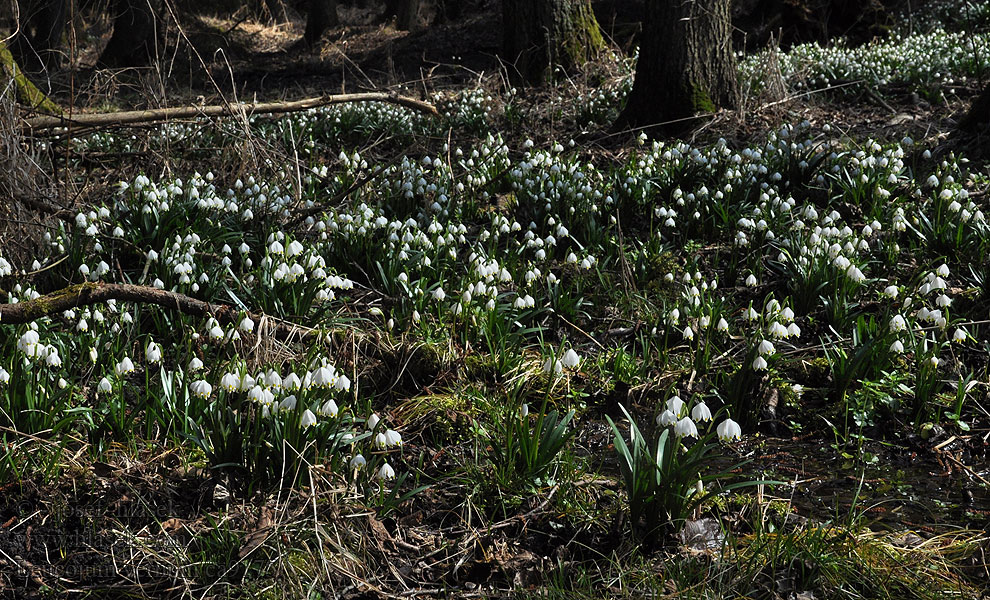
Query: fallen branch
{"points": [[86, 294], [188, 112]]}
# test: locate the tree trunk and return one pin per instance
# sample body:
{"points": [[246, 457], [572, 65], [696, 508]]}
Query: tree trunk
{"points": [[322, 15], [39, 36], [979, 113], [136, 34], [405, 13], [686, 65], [540, 35]]}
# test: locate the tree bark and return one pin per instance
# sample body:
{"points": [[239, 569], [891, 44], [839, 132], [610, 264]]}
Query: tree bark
{"points": [[686, 65], [136, 34], [979, 112], [39, 36], [322, 15], [405, 13], [541, 35]]}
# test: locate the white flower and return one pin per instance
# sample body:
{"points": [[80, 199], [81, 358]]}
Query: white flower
{"points": [[890, 291], [553, 365], [959, 335], [666, 418], [230, 382], [759, 364], [358, 462], [688, 333], [686, 428], [5, 376], [751, 280], [701, 412], [195, 364], [373, 421], [392, 438], [201, 389], [307, 419], [729, 430], [897, 347], [439, 294], [329, 408], [675, 405], [247, 325], [292, 382], [722, 325], [125, 366], [386, 472], [765, 347], [288, 403], [343, 383], [324, 377], [933, 361], [153, 352], [104, 386], [897, 323], [571, 359]]}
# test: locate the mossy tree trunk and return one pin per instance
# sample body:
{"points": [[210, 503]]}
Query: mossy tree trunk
{"points": [[136, 37], [321, 15], [27, 93], [686, 66], [541, 35]]}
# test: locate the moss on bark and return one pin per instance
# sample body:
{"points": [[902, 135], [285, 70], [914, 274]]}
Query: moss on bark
{"points": [[27, 92]]}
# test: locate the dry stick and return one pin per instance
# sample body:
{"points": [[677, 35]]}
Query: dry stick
{"points": [[85, 294], [188, 112]]}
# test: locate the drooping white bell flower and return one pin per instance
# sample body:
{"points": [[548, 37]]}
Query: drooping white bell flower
{"points": [[729, 430]]}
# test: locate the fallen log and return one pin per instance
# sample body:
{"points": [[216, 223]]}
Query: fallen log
{"points": [[86, 294], [130, 117]]}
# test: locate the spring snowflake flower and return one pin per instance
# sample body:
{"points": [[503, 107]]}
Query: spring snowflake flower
{"points": [[230, 382], [308, 419], [439, 294], [686, 428], [104, 386], [571, 359], [666, 418], [897, 323], [358, 462], [554, 366], [247, 325], [688, 333], [933, 361], [342, 384], [959, 335], [153, 352], [201, 389], [195, 364], [329, 409], [729, 430], [373, 421], [890, 291], [759, 364], [722, 326], [897, 347], [701, 412], [288, 403], [765, 347], [675, 405], [4, 376], [125, 366], [386, 472], [292, 382]]}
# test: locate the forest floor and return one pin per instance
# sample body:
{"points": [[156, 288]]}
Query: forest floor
{"points": [[864, 501]]}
